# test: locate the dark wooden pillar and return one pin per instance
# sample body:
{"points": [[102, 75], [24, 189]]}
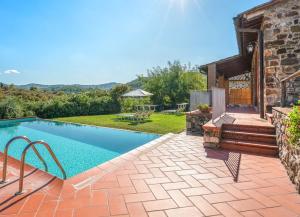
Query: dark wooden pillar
{"points": [[261, 74], [211, 76]]}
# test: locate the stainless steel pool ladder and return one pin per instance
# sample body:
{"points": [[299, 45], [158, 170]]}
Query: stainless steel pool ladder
{"points": [[30, 145], [6, 155]]}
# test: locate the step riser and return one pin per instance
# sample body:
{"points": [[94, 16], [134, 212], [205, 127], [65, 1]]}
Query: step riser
{"points": [[252, 150], [241, 137], [250, 129]]}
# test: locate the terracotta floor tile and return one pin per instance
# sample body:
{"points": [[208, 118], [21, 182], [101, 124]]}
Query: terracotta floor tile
{"points": [[47, 208], [245, 205], [177, 177], [176, 185], [64, 213], [33, 203], [227, 210], [157, 214], [191, 181], [139, 197], [159, 205], [159, 192], [117, 205], [266, 201], [25, 214], [180, 199], [250, 214], [212, 186], [235, 191], [186, 211], [219, 197], [277, 212], [92, 211], [140, 186], [196, 191], [205, 207], [136, 210]]}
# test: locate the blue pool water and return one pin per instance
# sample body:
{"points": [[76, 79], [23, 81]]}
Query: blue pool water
{"points": [[78, 147]]}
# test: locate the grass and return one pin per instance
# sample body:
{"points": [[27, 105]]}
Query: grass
{"points": [[158, 123]]}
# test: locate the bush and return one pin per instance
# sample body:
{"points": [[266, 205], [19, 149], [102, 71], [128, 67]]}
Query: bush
{"points": [[294, 127], [203, 108], [11, 108]]}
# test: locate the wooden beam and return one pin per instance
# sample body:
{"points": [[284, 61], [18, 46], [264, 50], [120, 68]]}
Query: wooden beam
{"points": [[261, 73], [248, 30], [211, 76], [283, 93]]}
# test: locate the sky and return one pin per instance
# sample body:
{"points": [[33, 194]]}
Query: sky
{"points": [[99, 41]]}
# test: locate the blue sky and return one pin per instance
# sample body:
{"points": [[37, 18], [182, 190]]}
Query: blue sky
{"points": [[98, 41]]}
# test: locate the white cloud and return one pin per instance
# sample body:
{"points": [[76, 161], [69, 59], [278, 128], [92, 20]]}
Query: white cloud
{"points": [[11, 71]]}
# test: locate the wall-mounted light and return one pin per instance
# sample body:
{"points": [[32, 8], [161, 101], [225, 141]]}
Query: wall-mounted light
{"points": [[250, 48]]}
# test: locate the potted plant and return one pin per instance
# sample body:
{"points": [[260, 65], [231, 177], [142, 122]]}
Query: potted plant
{"points": [[204, 108]]}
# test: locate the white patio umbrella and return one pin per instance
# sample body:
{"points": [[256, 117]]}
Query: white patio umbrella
{"points": [[137, 93]]}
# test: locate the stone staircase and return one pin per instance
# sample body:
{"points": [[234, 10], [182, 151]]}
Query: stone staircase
{"points": [[249, 138]]}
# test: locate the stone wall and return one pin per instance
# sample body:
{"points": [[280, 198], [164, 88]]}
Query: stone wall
{"points": [[195, 120], [289, 156], [281, 27]]}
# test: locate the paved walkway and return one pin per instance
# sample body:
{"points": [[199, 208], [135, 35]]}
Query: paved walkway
{"points": [[178, 178]]}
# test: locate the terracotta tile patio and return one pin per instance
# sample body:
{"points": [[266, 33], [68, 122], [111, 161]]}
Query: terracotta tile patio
{"points": [[175, 178]]}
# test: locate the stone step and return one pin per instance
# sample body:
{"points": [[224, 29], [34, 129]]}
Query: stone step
{"points": [[249, 128], [249, 147], [249, 136]]}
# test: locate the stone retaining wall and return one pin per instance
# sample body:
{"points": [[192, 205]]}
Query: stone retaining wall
{"points": [[195, 120], [289, 156]]}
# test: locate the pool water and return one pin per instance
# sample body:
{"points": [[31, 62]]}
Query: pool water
{"points": [[77, 147]]}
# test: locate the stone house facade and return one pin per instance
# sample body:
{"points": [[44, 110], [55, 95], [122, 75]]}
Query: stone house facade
{"points": [[281, 27], [268, 38]]}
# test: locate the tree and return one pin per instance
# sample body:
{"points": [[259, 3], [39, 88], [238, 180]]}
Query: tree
{"points": [[172, 84]]}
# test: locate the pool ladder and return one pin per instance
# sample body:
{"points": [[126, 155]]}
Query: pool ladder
{"points": [[24, 152]]}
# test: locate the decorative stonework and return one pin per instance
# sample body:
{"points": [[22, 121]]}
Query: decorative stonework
{"points": [[289, 156], [195, 120], [281, 27], [212, 135]]}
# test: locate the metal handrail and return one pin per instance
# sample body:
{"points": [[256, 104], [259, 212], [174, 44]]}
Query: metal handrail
{"points": [[32, 144], [6, 155]]}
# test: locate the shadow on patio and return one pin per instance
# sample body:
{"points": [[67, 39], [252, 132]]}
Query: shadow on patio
{"points": [[231, 159]]}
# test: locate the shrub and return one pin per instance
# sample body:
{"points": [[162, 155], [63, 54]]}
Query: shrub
{"points": [[294, 127], [11, 108], [203, 107]]}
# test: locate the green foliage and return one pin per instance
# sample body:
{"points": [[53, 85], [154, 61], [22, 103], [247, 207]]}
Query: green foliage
{"points": [[128, 104], [173, 84], [294, 127], [170, 85], [16, 103], [11, 108], [203, 107]]}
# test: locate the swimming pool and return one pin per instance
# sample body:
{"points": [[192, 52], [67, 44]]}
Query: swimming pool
{"points": [[77, 147]]}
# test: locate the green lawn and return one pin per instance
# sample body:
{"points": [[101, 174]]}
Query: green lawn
{"points": [[158, 122]]}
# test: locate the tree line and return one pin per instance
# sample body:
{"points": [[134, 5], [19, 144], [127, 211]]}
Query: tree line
{"points": [[169, 85]]}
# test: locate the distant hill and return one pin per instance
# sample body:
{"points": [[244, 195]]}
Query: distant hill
{"points": [[69, 88], [73, 88]]}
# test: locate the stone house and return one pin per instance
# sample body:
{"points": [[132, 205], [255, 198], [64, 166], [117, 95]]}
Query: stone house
{"points": [[268, 38]]}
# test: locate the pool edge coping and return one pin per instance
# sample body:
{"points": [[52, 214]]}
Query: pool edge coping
{"points": [[92, 175], [97, 172]]}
